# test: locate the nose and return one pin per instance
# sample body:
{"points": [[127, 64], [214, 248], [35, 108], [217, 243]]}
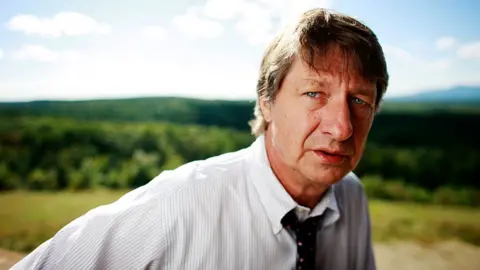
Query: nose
{"points": [[335, 120]]}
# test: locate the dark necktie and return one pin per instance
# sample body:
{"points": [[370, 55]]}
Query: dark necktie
{"points": [[306, 234]]}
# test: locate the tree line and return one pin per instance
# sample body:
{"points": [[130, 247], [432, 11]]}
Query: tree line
{"points": [[423, 152], [233, 114], [49, 153]]}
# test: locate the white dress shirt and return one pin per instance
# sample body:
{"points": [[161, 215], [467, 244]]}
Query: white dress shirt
{"points": [[220, 213]]}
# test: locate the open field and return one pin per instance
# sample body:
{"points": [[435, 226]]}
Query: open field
{"points": [[407, 236], [424, 223]]}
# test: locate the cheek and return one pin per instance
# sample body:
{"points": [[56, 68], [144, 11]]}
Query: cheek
{"points": [[361, 128], [312, 121], [291, 128], [302, 124]]}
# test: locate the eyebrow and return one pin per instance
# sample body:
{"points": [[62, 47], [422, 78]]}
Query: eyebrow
{"points": [[320, 82], [364, 91], [323, 81]]}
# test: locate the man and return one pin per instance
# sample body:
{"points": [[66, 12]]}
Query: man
{"points": [[290, 200]]}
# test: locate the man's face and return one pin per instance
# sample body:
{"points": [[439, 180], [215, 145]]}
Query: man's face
{"points": [[320, 120]]}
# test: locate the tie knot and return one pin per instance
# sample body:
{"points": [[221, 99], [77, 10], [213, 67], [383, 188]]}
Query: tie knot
{"points": [[290, 221]]}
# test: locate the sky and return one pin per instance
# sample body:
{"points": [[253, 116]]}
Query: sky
{"points": [[97, 49]]}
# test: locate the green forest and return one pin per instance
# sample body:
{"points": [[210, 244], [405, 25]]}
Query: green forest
{"points": [[428, 155]]}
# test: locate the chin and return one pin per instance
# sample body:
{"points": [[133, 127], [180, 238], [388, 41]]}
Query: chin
{"points": [[328, 175]]}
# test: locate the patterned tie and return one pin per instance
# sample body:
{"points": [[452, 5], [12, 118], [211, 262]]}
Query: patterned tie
{"points": [[306, 234]]}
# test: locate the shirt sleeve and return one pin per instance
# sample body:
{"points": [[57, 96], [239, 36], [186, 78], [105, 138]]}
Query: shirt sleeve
{"points": [[121, 235]]}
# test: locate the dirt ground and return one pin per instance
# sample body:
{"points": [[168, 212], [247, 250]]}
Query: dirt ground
{"points": [[7, 258], [441, 256], [389, 256]]}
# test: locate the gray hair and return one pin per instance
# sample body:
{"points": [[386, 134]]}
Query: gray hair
{"points": [[315, 32]]}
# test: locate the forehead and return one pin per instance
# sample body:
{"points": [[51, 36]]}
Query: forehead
{"points": [[331, 66]]}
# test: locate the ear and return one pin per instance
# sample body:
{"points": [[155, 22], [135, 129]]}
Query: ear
{"points": [[377, 108], [266, 108]]}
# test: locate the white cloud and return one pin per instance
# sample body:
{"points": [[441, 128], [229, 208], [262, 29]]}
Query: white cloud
{"points": [[193, 25], [154, 32], [286, 10], [63, 23], [252, 20], [401, 57], [469, 50], [1, 53], [128, 76], [223, 10], [439, 64], [255, 24], [261, 20], [393, 53], [413, 71], [126, 71], [41, 54], [445, 43], [255, 20]]}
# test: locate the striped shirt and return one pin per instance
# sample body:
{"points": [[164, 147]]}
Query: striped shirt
{"points": [[220, 213]]}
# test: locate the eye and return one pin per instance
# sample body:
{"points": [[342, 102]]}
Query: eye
{"points": [[361, 108], [312, 94], [359, 101]]}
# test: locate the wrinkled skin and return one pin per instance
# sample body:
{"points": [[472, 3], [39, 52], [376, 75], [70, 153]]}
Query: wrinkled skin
{"points": [[318, 125]]}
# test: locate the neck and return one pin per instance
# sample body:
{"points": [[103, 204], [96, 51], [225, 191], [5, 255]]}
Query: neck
{"points": [[304, 191]]}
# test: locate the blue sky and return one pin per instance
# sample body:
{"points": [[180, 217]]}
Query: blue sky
{"points": [[83, 49]]}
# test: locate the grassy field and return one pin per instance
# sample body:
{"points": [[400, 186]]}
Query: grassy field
{"points": [[27, 219]]}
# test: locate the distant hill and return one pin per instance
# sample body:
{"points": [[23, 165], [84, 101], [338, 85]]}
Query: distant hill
{"points": [[453, 95], [221, 113]]}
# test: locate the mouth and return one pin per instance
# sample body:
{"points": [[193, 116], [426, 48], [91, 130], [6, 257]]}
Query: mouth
{"points": [[331, 157]]}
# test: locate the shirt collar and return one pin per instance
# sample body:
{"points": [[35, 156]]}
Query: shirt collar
{"points": [[275, 199]]}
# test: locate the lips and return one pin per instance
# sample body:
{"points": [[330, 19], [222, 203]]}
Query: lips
{"points": [[333, 158]]}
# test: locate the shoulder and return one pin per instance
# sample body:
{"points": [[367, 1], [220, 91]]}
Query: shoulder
{"points": [[352, 203], [138, 222], [350, 190], [185, 184], [350, 182], [180, 183], [224, 169]]}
